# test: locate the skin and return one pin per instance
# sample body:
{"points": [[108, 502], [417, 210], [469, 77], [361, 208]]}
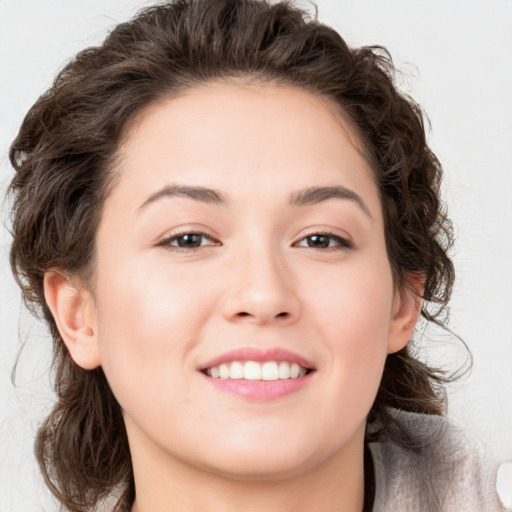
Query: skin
{"points": [[155, 312]]}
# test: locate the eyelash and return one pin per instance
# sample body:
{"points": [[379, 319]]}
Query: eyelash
{"points": [[340, 243], [168, 242]]}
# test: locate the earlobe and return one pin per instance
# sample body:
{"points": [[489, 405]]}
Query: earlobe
{"points": [[73, 311], [406, 311]]}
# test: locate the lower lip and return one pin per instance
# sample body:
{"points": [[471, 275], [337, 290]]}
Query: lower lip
{"points": [[262, 390]]}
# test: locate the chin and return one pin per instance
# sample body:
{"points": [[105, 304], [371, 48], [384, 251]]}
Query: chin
{"points": [[274, 460], [262, 468]]}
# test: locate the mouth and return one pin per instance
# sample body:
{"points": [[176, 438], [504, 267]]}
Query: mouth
{"points": [[259, 374], [257, 370]]}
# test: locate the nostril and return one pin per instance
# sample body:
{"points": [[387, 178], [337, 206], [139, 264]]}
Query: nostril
{"points": [[284, 314], [243, 313]]}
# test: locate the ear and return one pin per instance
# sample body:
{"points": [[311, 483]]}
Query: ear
{"points": [[73, 310], [406, 311]]}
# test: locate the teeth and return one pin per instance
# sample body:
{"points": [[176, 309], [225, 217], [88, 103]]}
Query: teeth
{"points": [[224, 371], [236, 371], [284, 370], [270, 371], [294, 371], [252, 370]]}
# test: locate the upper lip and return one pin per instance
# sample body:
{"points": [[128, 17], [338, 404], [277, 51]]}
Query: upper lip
{"points": [[260, 355]]}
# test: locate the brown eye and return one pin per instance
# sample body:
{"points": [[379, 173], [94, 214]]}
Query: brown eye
{"points": [[319, 241], [324, 241], [188, 241]]}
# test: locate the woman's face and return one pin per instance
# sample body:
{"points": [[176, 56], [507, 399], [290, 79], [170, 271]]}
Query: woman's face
{"points": [[244, 236]]}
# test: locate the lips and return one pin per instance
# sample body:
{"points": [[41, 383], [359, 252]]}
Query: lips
{"points": [[257, 355], [258, 374]]}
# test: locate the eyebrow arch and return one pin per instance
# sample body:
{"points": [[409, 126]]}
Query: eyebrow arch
{"points": [[315, 195], [203, 194]]}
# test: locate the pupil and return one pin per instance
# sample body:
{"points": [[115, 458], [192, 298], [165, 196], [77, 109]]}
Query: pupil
{"points": [[191, 240], [318, 241]]}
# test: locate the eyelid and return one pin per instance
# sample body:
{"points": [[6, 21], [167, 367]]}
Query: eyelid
{"points": [[166, 240], [345, 242]]}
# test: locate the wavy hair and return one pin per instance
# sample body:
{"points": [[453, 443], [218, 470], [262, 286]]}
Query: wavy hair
{"points": [[63, 159]]}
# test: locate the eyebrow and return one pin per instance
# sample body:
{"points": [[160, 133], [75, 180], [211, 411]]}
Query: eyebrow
{"points": [[203, 194], [307, 196], [315, 195]]}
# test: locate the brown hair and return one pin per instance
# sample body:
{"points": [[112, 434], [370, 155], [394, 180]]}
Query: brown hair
{"points": [[63, 158]]}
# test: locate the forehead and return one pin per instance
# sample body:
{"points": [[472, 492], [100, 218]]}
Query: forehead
{"points": [[232, 134]]}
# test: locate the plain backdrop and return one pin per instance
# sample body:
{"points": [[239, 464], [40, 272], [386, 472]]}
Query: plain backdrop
{"points": [[455, 58]]}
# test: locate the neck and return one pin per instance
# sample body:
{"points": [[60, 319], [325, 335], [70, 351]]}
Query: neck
{"points": [[337, 483]]}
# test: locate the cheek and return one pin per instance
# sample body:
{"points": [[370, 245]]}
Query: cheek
{"points": [[354, 316], [356, 297], [148, 322]]}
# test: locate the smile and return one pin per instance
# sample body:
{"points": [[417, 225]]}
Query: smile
{"points": [[259, 374], [254, 370]]}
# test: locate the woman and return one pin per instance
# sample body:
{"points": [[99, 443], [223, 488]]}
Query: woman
{"points": [[231, 223]]}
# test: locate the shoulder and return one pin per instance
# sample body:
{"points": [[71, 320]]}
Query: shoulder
{"points": [[436, 467]]}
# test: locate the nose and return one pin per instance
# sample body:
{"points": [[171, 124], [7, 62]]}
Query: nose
{"points": [[262, 289]]}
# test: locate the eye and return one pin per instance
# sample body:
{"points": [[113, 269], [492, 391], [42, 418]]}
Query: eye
{"points": [[324, 241], [190, 240]]}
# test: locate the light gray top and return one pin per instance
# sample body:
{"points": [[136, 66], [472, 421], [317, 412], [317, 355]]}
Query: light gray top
{"points": [[448, 472]]}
